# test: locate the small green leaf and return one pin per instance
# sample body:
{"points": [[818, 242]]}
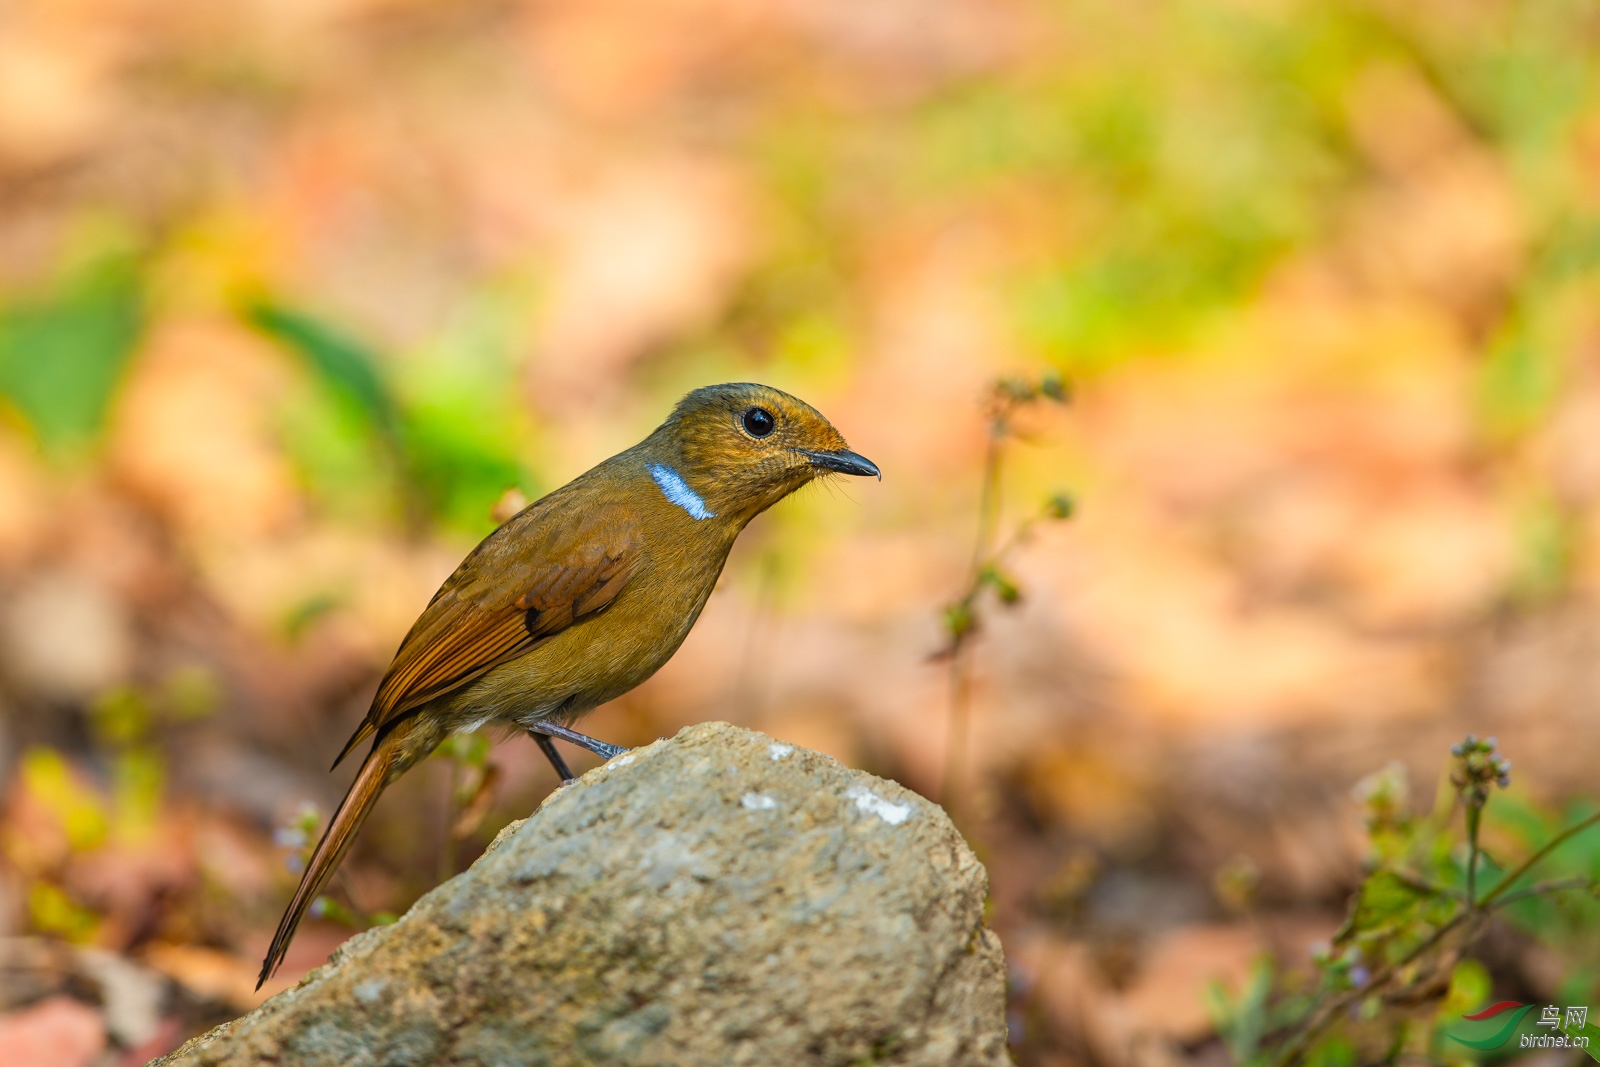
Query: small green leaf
{"points": [[1470, 986], [1334, 1050], [469, 749], [959, 620], [120, 716], [139, 783], [1386, 894], [345, 366], [301, 617], [1060, 506], [52, 911], [61, 357], [325, 907], [1242, 1020], [1018, 390], [458, 463], [48, 779], [190, 693], [1002, 584]]}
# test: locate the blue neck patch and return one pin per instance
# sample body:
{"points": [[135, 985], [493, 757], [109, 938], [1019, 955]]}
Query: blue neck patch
{"points": [[675, 489]]}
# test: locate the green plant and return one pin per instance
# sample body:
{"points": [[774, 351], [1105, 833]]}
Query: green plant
{"points": [[963, 616], [1398, 975]]}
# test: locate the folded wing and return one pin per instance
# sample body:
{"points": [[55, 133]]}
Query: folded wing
{"points": [[549, 568]]}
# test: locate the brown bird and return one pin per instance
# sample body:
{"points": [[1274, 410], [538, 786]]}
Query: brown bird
{"points": [[580, 596]]}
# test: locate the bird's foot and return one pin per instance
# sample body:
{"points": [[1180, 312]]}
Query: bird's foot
{"points": [[550, 729]]}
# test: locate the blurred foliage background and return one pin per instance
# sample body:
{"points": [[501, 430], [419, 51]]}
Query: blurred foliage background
{"points": [[291, 294]]}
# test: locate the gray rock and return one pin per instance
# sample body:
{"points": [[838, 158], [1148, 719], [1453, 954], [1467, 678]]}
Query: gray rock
{"points": [[717, 898]]}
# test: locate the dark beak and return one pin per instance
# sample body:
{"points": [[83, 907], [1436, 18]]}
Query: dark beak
{"points": [[843, 461]]}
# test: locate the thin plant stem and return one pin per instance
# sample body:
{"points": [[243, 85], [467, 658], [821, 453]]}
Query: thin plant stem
{"points": [[961, 667], [989, 497], [1549, 847], [1474, 817], [1539, 889], [956, 741], [960, 673]]}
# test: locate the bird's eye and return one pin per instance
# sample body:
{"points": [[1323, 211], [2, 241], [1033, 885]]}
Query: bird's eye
{"points": [[758, 422]]}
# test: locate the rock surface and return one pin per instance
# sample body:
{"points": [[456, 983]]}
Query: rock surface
{"points": [[715, 898]]}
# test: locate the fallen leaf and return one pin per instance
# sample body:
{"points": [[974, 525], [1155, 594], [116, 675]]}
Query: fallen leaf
{"points": [[56, 1032]]}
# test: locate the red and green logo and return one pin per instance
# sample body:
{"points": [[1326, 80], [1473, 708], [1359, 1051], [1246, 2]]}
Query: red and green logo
{"points": [[1508, 1012]]}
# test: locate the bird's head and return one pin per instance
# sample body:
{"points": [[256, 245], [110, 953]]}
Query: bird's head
{"points": [[741, 448]]}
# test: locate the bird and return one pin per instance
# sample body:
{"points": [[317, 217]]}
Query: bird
{"points": [[580, 596]]}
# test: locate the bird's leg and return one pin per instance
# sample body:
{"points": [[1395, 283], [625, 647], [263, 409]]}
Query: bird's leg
{"points": [[548, 747], [599, 748]]}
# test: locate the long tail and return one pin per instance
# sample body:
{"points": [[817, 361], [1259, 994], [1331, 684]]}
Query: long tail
{"points": [[342, 828]]}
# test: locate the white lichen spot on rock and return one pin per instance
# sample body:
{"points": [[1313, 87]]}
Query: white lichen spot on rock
{"points": [[887, 810], [621, 761], [778, 751], [758, 802], [370, 991]]}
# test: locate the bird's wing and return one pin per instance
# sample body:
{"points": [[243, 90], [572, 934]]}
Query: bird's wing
{"points": [[543, 571]]}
